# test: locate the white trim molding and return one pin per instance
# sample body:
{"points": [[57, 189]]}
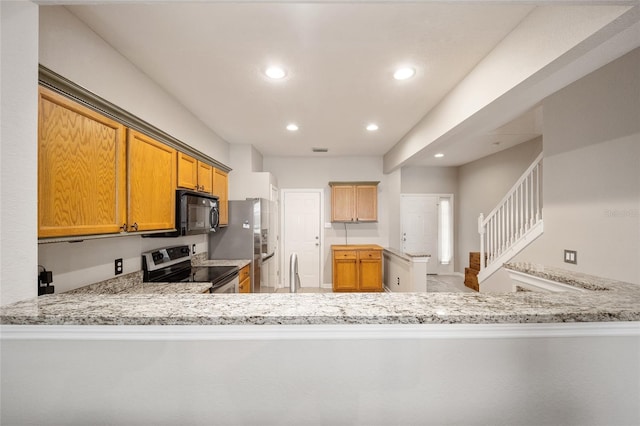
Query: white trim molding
{"points": [[316, 332]]}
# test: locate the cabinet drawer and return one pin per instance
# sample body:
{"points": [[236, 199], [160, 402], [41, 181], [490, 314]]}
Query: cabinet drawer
{"points": [[245, 286], [345, 254], [244, 273], [370, 254]]}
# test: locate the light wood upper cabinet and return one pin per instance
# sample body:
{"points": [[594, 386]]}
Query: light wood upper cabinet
{"points": [[357, 267], [221, 189], [194, 174], [97, 177], [205, 177], [187, 171], [354, 201], [81, 169], [152, 183]]}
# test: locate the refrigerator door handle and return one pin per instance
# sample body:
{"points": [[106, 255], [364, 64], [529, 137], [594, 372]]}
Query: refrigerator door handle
{"points": [[267, 256]]}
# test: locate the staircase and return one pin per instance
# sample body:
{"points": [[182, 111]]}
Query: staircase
{"points": [[514, 223]]}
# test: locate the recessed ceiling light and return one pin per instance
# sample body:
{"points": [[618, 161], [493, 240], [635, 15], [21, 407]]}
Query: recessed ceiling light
{"points": [[404, 73], [275, 72], [292, 127], [372, 127], [439, 155]]}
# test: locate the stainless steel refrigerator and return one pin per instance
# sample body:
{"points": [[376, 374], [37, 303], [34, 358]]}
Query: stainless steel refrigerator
{"points": [[247, 237]]}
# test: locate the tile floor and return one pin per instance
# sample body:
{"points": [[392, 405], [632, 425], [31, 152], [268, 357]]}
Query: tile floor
{"points": [[435, 283]]}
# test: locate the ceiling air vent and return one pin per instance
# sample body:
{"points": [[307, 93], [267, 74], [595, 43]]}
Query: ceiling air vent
{"points": [[320, 149]]}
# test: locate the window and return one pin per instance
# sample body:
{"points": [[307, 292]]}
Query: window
{"points": [[445, 231]]}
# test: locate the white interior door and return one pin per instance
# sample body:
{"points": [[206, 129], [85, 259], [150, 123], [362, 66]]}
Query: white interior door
{"points": [[419, 226], [301, 230]]}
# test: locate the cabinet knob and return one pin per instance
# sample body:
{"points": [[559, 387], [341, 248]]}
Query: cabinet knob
{"points": [[134, 227], [124, 227]]}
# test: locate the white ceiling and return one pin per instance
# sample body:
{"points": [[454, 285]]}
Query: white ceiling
{"points": [[340, 58]]}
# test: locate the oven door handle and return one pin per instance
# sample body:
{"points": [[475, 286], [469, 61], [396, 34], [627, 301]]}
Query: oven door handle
{"points": [[233, 283]]}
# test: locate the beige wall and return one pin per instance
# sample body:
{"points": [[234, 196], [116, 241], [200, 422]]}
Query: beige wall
{"points": [[481, 185], [592, 174]]}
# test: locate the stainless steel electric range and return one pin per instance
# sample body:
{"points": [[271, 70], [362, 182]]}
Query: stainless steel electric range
{"points": [[173, 264]]}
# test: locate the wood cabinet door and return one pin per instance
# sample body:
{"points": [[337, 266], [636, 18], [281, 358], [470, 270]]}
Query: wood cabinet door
{"points": [[366, 203], [342, 203], [345, 271], [221, 189], [245, 280], [370, 270], [205, 177], [151, 183], [187, 171], [81, 169]]}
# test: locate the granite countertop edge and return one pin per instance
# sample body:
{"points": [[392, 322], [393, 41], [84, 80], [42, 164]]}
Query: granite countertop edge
{"points": [[621, 302], [323, 308]]}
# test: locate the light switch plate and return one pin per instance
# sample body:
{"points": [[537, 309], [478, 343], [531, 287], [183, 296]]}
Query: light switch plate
{"points": [[571, 256]]}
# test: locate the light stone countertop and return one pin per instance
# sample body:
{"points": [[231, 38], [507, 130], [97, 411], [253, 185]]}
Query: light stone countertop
{"points": [[406, 256], [619, 302]]}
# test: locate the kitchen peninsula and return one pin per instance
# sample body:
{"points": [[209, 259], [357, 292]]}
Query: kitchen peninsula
{"points": [[611, 301], [541, 352]]}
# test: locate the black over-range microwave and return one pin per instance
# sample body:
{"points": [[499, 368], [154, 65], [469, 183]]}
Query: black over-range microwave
{"points": [[196, 213]]}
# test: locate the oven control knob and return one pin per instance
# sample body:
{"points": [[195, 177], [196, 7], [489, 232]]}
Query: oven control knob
{"points": [[157, 256]]}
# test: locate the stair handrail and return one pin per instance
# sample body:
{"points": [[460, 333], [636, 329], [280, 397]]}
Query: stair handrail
{"points": [[507, 200], [516, 185]]}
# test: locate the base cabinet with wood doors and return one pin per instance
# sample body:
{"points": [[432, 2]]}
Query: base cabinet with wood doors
{"points": [[354, 201], [245, 280], [357, 267]]}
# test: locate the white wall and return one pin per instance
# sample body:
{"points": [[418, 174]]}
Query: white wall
{"points": [[327, 376], [592, 174], [70, 48], [429, 180], [245, 158], [73, 50], [481, 185], [552, 46], [394, 183], [18, 150], [316, 173]]}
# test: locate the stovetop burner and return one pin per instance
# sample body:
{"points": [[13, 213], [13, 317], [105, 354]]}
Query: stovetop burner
{"points": [[173, 264], [213, 274]]}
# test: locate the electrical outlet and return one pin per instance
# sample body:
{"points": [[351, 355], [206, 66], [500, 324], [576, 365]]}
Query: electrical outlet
{"points": [[571, 256], [193, 249], [118, 266]]}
